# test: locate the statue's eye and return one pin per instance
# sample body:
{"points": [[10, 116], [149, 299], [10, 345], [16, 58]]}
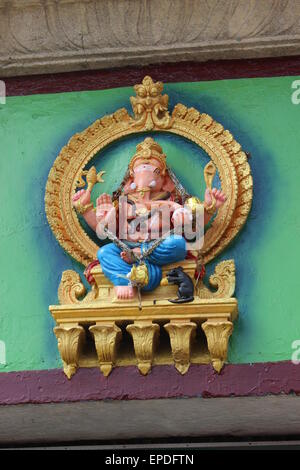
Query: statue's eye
{"points": [[157, 171]]}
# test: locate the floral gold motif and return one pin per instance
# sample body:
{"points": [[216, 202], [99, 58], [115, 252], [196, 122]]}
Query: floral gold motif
{"points": [[223, 279], [69, 339], [181, 333], [145, 336], [217, 334], [70, 288], [150, 107], [106, 336]]}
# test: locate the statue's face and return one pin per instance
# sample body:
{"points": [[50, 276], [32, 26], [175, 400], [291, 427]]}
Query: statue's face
{"points": [[148, 175]]}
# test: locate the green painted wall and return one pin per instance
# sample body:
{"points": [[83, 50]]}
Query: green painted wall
{"points": [[262, 118]]}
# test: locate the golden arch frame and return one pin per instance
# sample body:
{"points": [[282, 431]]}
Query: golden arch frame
{"points": [[150, 109]]}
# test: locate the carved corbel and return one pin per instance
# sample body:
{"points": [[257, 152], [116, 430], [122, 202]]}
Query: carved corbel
{"points": [[181, 333], [107, 336], [217, 334], [69, 340], [223, 279], [145, 337]]}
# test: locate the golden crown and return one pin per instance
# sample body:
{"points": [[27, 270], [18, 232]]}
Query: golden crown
{"points": [[146, 150]]}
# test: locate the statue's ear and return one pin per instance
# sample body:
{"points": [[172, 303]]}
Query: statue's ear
{"points": [[168, 184], [127, 185]]}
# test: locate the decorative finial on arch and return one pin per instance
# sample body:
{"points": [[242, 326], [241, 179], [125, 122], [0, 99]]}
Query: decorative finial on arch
{"points": [[150, 107]]}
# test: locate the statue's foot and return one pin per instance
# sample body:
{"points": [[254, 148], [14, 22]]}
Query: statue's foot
{"points": [[125, 292]]}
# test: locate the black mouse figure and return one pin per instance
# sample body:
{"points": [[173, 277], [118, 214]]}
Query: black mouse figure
{"points": [[185, 285]]}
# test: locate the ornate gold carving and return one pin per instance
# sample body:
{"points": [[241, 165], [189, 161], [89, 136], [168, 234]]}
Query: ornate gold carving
{"points": [[227, 156], [139, 274], [161, 310], [64, 176], [217, 309], [223, 279], [82, 208], [98, 312], [217, 333], [145, 336], [101, 315], [91, 178], [69, 338], [181, 332], [106, 335], [230, 161], [150, 107], [70, 288]]}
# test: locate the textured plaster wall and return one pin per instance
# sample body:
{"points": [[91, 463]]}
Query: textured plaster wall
{"points": [[39, 36], [262, 118]]}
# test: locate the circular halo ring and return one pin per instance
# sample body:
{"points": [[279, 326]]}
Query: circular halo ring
{"points": [[219, 144]]}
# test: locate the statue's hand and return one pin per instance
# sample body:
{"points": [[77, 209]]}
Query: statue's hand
{"points": [[219, 196], [83, 197], [104, 205]]}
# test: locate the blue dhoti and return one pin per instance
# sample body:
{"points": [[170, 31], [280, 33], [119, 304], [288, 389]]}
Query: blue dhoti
{"points": [[171, 250]]}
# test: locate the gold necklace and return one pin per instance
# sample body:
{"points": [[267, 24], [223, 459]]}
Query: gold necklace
{"points": [[142, 191]]}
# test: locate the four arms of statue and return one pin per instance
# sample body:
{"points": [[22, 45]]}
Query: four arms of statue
{"points": [[148, 187]]}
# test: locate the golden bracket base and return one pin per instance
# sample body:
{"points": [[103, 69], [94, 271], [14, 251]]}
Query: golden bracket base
{"points": [[101, 323]]}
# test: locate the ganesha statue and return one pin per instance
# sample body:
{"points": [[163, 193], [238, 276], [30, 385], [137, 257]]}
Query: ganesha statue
{"points": [[155, 240], [144, 220]]}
